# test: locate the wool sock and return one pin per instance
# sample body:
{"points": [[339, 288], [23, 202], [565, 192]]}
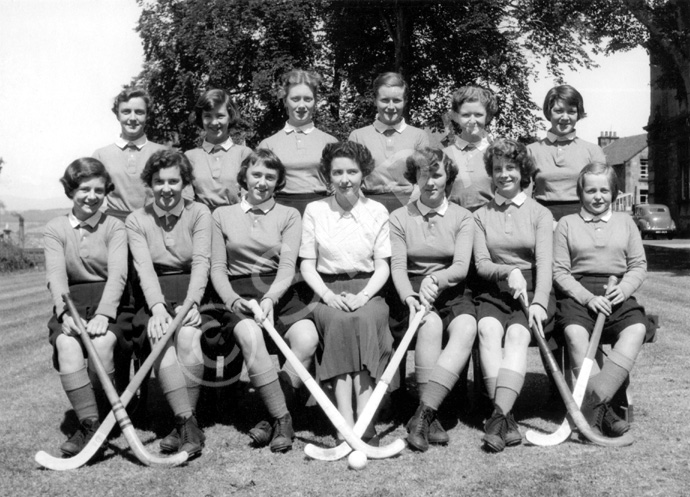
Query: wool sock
{"points": [[612, 375], [101, 398], [174, 388], [508, 386], [269, 389], [80, 393], [441, 382], [422, 376], [193, 376]]}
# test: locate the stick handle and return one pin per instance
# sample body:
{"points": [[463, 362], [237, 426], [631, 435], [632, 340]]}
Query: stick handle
{"points": [[598, 326]]}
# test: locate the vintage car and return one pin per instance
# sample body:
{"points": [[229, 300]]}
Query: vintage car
{"points": [[654, 219]]}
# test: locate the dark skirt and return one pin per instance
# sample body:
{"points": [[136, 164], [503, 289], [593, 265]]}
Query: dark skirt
{"points": [[86, 297], [352, 341], [298, 200], [174, 288], [559, 209], [626, 314], [497, 302]]}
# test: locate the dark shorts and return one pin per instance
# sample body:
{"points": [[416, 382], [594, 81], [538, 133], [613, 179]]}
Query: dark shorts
{"points": [[174, 288], [498, 302], [86, 297], [628, 313]]}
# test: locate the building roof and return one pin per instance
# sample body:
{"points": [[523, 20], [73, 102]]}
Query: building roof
{"points": [[624, 149]]}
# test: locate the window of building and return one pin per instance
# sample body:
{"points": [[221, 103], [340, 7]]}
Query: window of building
{"points": [[644, 169], [644, 196]]}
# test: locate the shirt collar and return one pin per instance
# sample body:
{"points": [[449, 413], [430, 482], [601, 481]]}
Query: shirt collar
{"points": [[306, 129], [440, 210], [226, 145], [92, 221], [482, 145], [356, 209], [553, 138], [518, 199], [175, 211], [264, 207], [589, 218], [139, 143], [380, 127]]}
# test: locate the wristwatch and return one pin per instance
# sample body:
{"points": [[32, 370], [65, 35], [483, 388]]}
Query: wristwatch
{"points": [[366, 294]]}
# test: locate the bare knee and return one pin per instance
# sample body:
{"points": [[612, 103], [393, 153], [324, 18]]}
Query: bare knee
{"points": [[517, 337], [105, 345], [303, 338], [248, 336], [490, 332], [431, 329]]}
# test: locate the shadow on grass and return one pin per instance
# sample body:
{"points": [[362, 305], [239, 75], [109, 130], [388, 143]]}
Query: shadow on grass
{"points": [[675, 261]]}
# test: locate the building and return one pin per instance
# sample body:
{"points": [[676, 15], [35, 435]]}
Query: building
{"points": [[629, 158]]}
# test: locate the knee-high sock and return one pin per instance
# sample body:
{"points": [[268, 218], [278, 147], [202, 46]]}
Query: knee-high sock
{"points": [[268, 386], [193, 376], [80, 393], [174, 387], [440, 384], [490, 384], [508, 386], [422, 376], [101, 398], [612, 375]]}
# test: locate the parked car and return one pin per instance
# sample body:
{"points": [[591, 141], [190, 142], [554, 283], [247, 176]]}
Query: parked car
{"points": [[654, 219]]}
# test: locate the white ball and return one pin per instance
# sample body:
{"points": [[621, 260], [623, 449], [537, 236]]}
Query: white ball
{"points": [[357, 460]]}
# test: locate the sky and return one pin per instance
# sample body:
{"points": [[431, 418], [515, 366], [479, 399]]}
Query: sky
{"points": [[62, 63]]}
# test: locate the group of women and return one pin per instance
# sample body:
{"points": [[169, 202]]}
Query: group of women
{"points": [[461, 232]]}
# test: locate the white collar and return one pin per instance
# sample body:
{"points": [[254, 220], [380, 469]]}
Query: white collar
{"points": [[306, 129], [518, 199], [92, 221], [481, 145], [381, 127], [356, 209], [226, 145], [139, 143], [553, 138], [175, 211], [588, 217], [264, 207], [440, 210]]}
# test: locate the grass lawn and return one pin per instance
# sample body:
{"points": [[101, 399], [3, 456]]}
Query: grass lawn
{"points": [[34, 410]]}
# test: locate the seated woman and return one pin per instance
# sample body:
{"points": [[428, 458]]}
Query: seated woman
{"points": [[513, 252], [431, 241], [170, 241], [255, 247], [345, 250], [588, 248], [86, 255]]}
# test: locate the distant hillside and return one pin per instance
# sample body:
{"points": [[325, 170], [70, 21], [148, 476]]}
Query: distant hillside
{"points": [[33, 216]]}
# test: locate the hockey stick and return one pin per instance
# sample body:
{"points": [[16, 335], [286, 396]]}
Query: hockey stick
{"points": [[79, 460], [563, 432], [335, 453], [322, 399], [570, 404]]}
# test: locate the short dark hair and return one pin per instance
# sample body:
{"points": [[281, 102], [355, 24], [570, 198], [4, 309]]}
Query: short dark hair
{"points": [[163, 159], [390, 79], [83, 169], [430, 158], [299, 77], [604, 169], [349, 150], [569, 95], [128, 94], [268, 159], [209, 101], [475, 94], [514, 151]]}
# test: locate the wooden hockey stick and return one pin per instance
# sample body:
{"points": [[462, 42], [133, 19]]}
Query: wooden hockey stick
{"points": [[79, 460], [570, 404], [564, 431], [342, 450], [322, 399]]}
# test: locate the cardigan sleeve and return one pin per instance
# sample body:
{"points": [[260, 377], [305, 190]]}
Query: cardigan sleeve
{"points": [[562, 266], [138, 245], [401, 278], [289, 249], [56, 266], [457, 271], [544, 256], [219, 263], [117, 270], [636, 261], [486, 267], [201, 252]]}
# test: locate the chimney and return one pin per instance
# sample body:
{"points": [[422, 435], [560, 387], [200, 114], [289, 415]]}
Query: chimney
{"points": [[606, 138]]}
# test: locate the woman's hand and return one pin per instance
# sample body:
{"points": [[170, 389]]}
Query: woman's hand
{"points": [[600, 304], [355, 301], [98, 326], [428, 291], [537, 316], [517, 284], [69, 327], [267, 311], [615, 295], [158, 323], [246, 307], [335, 301], [413, 306], [193, 317]]}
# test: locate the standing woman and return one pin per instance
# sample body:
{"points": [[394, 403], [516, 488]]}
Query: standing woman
{"points": [[86, 255], [390, 140], [513, 253], [255, 247], [170, 241], [472, 110], [588, 247], [125, 159], [431, 241], [345, 250], [559, 158], [217, 162], [299, 144]]}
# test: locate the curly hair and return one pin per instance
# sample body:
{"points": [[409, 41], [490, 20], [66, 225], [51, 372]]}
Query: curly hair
{"points": [[514, 151], [606, 170], [299, 77], [569, 95], [268, 159], [129, 93], [164, 159], [81, 170], [426, 159], [475, 94], [212, 99], [350, 150]]}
